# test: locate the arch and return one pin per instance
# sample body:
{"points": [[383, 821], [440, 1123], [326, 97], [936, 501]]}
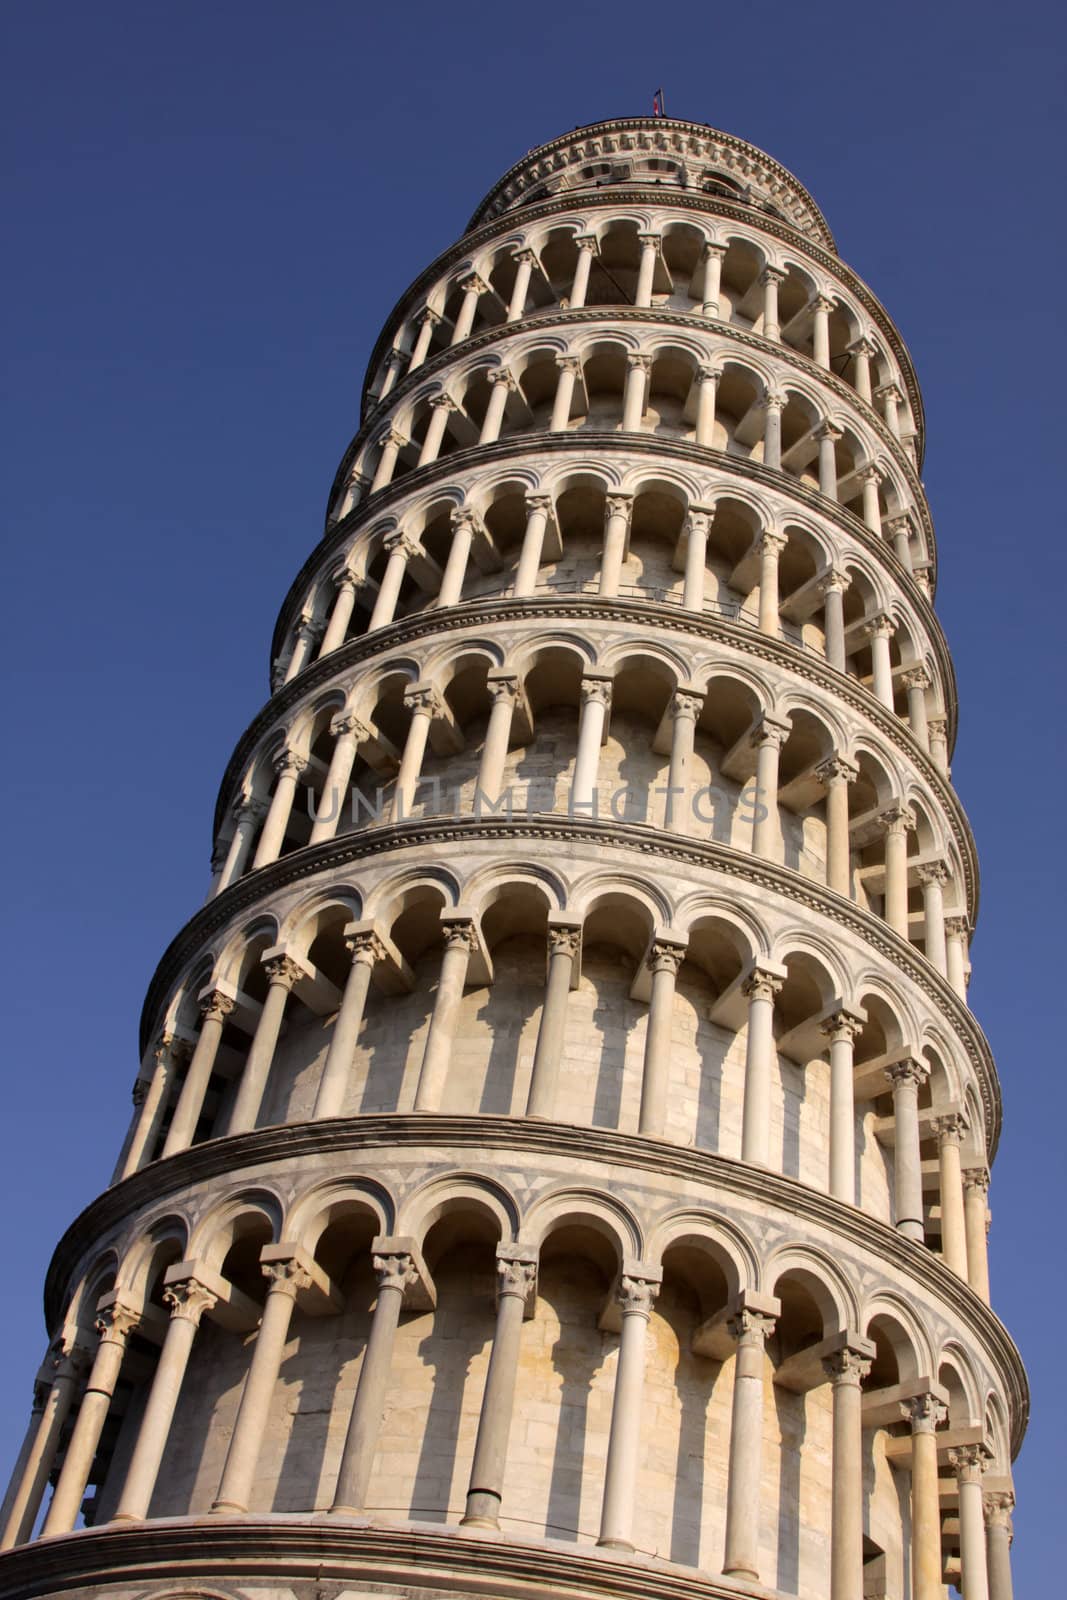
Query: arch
{"points": [[587, 1208], [727, 1244], [459, 1192], [819, 1275], [327, 1202]]}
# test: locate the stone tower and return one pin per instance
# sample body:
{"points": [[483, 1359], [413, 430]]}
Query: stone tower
{"points": [[561, 1146]]}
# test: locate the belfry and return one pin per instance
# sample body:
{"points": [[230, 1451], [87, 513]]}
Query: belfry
{"points": [[561, 1146]]}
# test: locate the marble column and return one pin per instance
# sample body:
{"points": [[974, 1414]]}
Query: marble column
{"points": [[503, 690], [846, 1369], [759, 989], [286, 1278], [570, 368], [835, 775], [768, 736], [390, 444], [937, 728], [464, 526], [744, 1498], [473, 288], [617, 511], [828, 436], [773, 406], [770, 546], [916, 682], [367, 950], [441, 408], [306, 635], [516, 1269], [707, 381], [347, 732], [975, 1227], [933, 875], [114, 1324], [896, 823], [587, 247], [525, 261], [821, 307], [187, 1299], [998, 1534], [636, 1297], [395, 1272], [713, 258], [892, 400], [283, 972], [289, 765], [770, 278], [426, 322], [596, 703], [924, 1412], [170, 1055], [969, 1462], [564, 948], [950, 1129], [664, 961], [424, 703], [52, 1403], [871, 477], [685, 709], [957, 930], [650, 247], [633, 401], [899, 530], [460, 941], [248, 814], [842, 1029], [401, 549], [906, 1077], [879, 630], [502, 383], [832, 587], [697, 528], [215, 1007], [861, 353], [539, 509], [344, 603]]}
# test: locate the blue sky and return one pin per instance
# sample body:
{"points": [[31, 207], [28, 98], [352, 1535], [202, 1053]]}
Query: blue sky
{"points": [[208, 213]]}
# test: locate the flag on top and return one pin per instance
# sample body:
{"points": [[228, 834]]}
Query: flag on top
{"points": [[658, 108]]}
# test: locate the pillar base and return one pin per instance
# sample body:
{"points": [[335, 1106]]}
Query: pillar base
{"points": [[615, 1544]]}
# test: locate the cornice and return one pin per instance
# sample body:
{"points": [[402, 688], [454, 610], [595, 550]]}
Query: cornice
{"points": [[249, 891], [590, 444], [625, 194], [304, 1553], [589, 607], [510, 1138], [772, 349]]}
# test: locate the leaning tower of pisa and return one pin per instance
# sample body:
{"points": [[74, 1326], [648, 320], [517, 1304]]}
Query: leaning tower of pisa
{"points": [[561, 1146]]}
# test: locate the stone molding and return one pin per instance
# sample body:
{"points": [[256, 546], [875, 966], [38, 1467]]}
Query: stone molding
{"points": [[506, 1137]]}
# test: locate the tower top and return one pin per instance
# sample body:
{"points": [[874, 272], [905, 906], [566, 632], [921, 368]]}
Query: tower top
{"points": [[657, 151]]}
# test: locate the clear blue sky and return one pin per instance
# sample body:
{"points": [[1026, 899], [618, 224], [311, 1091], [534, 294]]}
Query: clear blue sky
{"points": [[208, 212]]}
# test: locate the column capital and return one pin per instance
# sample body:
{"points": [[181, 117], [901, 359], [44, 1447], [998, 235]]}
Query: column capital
{"points": [[957, 927], [636, 1296], [829, 430], [597, 689], [713, 248], [909, 1069], [346, 723], [464, 517], [525, 256], [772, 275], [286, 1275], [587, 241], [502, 686], [836, 769], [503, 375], [188, 1299], [762, 984], [283, 970], [889, 391], [564, 941], [834, 580], [650, 239], [970, 1461], [542, 503], [395, 1270], [344, 578], [139, 1093], [880, 626], [771, 542], [215, 1006], [571, 364], [698, 520], [932, 872], [391, 436], [423, 699], [862, 347], [950, 1128], [400, 541], [636, 362], [976, 1178], [750, 1327], [516, 1272], [287, 762], [901, 523], [249, 810], [473, 284], [821, 302], [871, 473], [925, 1412], [618, 505], [998, 1505], [115, 1321], [428, 315], [770, 730], [664, 955], [898, 819], [843, 1026], [709, 374], [365, 947], [916, 678], [851, 1364], [686, 704], [443, 402], [460, 934], [774, 400]]}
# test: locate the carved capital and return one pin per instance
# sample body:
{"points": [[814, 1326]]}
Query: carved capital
{"points": [[771, 543], [709, 375], [472, 284], [366, 949], [428, 316], [250, 811], [664, 957], [283, 971], [916, 678], [933, 872], [834, 580], [395, 1271], [650, 240], [684, 704], [750, 1328], [188, 1300], [541, 504], [347, 725], [115, 1323], [638, 363], [862, 347], [871, 473], [443, 402], [636, 1296], [460, 935], [504, 376], [139, 1093], [822, 303], [772, 275], [565, 942], [976, 1178], [761, 985], [924, 1412], [950, 1127], [881, 627], [957, 928], [216, 1006], [515, 1277], [463, 517], [424, 702], [908, 1070], [288, 763], [569, 364], [898, 820], [504, 687], [618, 505], [774, 400], [586, 241], [286, 1277], [842, 1027], [769, 730], [970, 1462], [998, 1506], [836, 769], [526, 257], [399, 541], [829, 430], [847, 1366], [391, 438], [596, 690]]}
